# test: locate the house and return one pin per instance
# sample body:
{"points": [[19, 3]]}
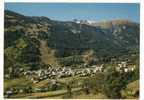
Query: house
{"points": [[98, 68], [124, 67]]}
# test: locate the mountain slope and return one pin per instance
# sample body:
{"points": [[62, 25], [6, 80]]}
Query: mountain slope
{"points": [[55, 40]]}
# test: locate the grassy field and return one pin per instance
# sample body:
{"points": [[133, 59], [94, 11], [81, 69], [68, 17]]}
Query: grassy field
{"points": [[61, 80], [131, 90], [16, 82], [60, 94], [90, 96], [45, 94]]}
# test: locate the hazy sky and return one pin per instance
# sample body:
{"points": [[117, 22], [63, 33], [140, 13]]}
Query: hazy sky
{"points": [[70, 11]]}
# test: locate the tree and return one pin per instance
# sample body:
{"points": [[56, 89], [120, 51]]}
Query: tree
{"points": [[31, 54], [86, 86], [12, 59], [69, 90], [115, 82]]}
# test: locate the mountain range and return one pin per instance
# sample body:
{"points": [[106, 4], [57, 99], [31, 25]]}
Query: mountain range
{"points": [[31, 40]]}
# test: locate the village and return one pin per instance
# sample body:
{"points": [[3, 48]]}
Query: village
{"points": [[55, 73]]}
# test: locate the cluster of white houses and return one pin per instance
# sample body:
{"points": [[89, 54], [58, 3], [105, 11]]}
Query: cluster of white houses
{"points": [[124, 67], [60, 72]]}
